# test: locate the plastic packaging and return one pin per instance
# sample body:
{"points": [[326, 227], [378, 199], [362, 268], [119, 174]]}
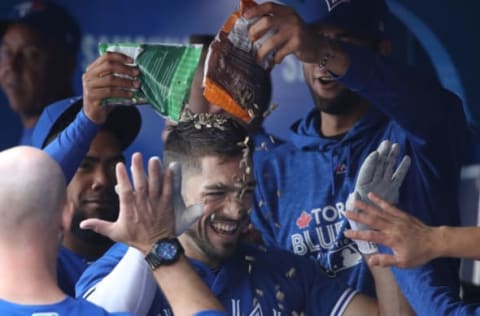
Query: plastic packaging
{"points": [[234, 79], [166, 74]]}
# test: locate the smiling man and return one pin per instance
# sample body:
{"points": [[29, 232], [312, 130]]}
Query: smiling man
{"points": [[91, 189], [215, 159]]}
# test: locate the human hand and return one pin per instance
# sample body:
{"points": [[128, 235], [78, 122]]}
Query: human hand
{"points": [[410, 240], [290, 34], [101, 80], [146, 209], [377, 175]]}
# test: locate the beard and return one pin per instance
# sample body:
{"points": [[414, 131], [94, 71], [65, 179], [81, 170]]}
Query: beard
{"points": [[208, 250], [342, 104], [89, 236]]}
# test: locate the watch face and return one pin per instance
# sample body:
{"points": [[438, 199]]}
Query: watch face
{"points": [[166, 250]]}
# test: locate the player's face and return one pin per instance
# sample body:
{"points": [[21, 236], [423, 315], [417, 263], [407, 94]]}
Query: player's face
{"points": [[226, 193], [29, 73], [329, 95], [92, 189]]}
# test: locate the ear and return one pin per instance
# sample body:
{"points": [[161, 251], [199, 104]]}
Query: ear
{"points": [[384, 47], [67, 215]]}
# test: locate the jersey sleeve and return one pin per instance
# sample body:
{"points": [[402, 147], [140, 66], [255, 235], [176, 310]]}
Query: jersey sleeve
{"points": [[413, 98], [70, 147], [122, 282], [428, 294]]}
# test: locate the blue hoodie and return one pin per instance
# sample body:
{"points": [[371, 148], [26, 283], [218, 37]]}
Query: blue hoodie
{"points": [[303, 185]]}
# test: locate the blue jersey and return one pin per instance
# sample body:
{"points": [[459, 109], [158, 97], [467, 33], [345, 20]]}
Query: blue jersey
{"points": [[253, 282], [303, 185], [67, 307], [70, 267]]}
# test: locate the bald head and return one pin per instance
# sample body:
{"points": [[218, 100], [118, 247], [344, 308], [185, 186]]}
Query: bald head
{"points": [[32, 191]]}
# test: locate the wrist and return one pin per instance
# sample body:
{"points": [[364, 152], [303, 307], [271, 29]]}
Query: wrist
{"points": [[439, 242]]}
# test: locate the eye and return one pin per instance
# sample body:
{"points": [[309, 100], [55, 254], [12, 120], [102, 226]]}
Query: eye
{"points": [[213, 196], [86, 165]]}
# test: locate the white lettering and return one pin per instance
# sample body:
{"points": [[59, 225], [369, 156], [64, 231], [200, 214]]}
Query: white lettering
{"points": [[310, 244], [235, 307], [326, 241], [298, 245]]}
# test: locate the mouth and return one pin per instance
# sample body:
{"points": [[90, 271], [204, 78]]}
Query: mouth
{"points": [[224, 226], [324, 79]]}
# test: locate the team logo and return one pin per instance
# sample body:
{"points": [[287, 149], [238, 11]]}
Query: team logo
{"points": [[331, 4], [304, 220], [341, 169]]}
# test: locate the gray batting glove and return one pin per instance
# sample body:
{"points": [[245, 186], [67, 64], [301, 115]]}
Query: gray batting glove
{"points": [[184, 216], [377, 175]]}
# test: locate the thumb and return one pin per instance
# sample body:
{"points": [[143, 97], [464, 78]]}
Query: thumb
{"points": [[185, 218], [99, 226]]}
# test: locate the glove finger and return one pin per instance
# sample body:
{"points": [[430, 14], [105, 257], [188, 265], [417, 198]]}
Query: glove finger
{"points": [[367, 169], [383, 151], [178, 203], [185, 218], [401, 171], [390, 162], [351, 198]]}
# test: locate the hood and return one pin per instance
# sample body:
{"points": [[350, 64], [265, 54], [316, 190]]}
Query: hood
{"points": [[304, 133]]}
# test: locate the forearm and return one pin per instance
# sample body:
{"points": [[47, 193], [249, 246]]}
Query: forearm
{"points": [[405, 94], [129, 287], [456, 242], [389, 297], [180, 277]]}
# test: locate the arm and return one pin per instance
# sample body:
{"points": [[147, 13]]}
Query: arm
{"points": [[147, 215], [412, 242], [71, 145], [403, 93]]}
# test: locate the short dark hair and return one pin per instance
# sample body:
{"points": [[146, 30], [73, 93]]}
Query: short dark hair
{"points": [[205, 134]]}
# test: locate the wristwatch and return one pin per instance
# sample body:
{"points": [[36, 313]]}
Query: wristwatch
{"points": [[164, 252]]}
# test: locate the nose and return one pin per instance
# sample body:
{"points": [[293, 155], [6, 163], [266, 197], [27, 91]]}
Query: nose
{"points": [[102, 178], [234, 208]]}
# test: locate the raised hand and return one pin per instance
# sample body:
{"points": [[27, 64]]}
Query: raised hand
{"points": [[108, 76], [147, 208], [377, 175], [410, 240]]}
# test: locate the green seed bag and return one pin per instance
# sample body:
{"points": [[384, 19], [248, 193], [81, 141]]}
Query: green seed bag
{"points": [[166, 74]]}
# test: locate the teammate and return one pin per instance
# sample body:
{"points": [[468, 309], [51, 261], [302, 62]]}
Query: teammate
{"points": [[40, 41], [87, 140], [361, 98], [246, 279], [35, 215]]}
